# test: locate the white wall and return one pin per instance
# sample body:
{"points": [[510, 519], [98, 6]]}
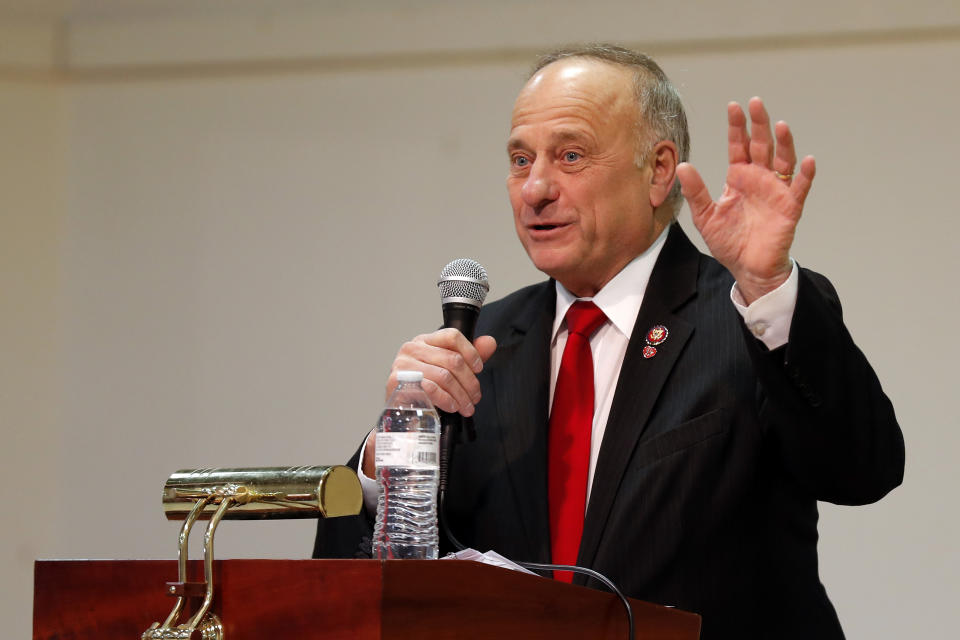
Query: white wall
{"points": [[239, 216]]}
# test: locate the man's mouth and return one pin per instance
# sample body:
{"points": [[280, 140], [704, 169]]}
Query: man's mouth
{"points": [[546, 227]]}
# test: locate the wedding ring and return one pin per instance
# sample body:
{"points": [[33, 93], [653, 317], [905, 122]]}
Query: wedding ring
{"points": [[783, 176]]}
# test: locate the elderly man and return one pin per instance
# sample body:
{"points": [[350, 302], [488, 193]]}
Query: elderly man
{"points": [[726, 395]]}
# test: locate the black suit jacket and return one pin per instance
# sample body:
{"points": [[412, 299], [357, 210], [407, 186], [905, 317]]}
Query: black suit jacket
{"points": [[714, 455]]}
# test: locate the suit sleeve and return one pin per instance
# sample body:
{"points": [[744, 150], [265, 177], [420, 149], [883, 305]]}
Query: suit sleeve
{"points": [[823, 405]]}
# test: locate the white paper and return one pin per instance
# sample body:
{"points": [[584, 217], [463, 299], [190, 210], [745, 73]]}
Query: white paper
{"points": [[490, 557]]}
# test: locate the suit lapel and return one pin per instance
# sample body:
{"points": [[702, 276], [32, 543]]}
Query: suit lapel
{"points": [[521, 389], [672, 282]]}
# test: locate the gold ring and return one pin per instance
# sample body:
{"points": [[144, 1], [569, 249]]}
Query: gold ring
{"points": [[783, 176]]}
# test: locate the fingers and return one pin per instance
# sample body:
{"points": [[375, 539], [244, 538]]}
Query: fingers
{"points": [[786, 156], [803, 179], [449, 364], [695, 191], [761, 143], [771, 150], [738, 142]]}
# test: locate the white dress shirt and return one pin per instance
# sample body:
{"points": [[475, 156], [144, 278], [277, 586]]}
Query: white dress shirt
{"points": [[768, 318]]}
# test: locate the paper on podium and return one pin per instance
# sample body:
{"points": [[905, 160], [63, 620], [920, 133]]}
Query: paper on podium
{"points": [[490, 557]]}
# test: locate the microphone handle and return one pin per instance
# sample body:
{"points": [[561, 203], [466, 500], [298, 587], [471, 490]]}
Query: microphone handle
{"points": [[460, 316], [463, 317]]}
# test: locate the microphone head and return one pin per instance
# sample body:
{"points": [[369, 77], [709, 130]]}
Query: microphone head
{"points": [[464, 281]]}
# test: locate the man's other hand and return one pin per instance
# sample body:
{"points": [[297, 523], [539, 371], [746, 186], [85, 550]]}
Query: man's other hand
{"points": [[749, 229]]}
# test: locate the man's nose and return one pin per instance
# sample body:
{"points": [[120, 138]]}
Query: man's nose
{"points": [[540, 187]]}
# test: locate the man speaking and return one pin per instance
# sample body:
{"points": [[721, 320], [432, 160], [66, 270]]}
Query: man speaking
{"points": [[666, 418]]}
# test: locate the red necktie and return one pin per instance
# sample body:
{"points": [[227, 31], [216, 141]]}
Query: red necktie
{"points": [[571, 422]]}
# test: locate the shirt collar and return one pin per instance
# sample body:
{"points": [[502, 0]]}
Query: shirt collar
{"points": [[620, 298]]}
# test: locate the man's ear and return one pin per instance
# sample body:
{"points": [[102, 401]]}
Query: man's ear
{"points": [[663, 163]]}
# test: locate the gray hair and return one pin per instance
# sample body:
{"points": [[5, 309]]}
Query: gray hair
{"points": [[661, 115]]}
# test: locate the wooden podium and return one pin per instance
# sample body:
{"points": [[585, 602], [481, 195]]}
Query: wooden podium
{"points": [[355, 599]]}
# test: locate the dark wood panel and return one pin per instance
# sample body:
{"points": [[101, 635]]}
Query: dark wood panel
{"points": [[349, 599], [487, 602], [99, 599]]}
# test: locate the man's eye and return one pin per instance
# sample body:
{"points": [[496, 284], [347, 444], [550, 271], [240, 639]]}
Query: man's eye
{"points": [[571, 156], [521, 161]]}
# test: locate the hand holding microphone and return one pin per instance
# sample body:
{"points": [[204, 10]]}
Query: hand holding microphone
{"points": [[448, 359], [463, 287]]}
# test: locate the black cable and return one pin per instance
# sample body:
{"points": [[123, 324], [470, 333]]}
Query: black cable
{"points": [[446, 461], [445, 527], [448, 438], [596, 575]]}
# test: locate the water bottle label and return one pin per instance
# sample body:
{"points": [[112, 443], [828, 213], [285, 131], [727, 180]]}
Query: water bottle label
{"points": [[408, 449]]}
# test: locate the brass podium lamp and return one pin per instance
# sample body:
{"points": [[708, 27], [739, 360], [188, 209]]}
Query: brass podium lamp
{"points": [[242, 494]]}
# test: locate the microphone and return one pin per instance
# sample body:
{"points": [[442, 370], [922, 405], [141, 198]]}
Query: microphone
{"points": [[463, 288]]}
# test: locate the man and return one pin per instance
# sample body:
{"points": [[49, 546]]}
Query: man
{"points": [[713, 425]]}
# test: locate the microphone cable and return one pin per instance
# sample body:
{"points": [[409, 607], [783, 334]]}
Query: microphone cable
{"points": [[596, 575], [446, 459]]}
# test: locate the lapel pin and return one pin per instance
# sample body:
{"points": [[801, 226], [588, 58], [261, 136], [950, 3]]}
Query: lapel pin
{"points": [[657, 336], [649, 352]]}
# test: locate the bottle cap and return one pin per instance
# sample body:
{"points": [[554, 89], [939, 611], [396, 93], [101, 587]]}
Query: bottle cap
{"points": [[409, 376]]}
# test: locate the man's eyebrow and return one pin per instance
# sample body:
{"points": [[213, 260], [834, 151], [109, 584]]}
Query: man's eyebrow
{"points": [[513, 144]]}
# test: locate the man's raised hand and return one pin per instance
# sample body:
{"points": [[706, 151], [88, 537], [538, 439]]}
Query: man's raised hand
{"points": [[750, 227]]}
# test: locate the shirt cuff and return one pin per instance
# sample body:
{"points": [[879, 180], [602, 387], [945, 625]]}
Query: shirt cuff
{"points": [[768, 317], [368, 485]]}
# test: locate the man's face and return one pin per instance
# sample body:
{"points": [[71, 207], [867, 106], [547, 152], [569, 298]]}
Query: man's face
{"points": [[581, 207]]}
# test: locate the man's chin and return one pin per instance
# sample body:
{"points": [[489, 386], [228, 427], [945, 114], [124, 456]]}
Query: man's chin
{"points": [[550, 263], [566, 275]]}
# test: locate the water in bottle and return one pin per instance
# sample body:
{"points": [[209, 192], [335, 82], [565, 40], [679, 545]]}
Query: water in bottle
{"points": [[408, 470]]}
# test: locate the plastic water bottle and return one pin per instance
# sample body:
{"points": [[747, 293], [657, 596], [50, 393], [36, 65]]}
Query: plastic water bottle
{"points": [[408, 471]]}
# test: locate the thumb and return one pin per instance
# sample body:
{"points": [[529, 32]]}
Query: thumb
{"points": [[485, 345], [693, 189]]}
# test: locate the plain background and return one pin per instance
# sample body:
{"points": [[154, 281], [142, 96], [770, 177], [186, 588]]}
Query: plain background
{"points": [[218, 222]]}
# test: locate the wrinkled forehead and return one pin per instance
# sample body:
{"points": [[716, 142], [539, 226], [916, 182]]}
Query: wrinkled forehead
{"points": [[602, 85]]}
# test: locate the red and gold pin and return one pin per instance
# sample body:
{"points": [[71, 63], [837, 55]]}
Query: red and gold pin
{"points": [[649, 352], [657, 335]]}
